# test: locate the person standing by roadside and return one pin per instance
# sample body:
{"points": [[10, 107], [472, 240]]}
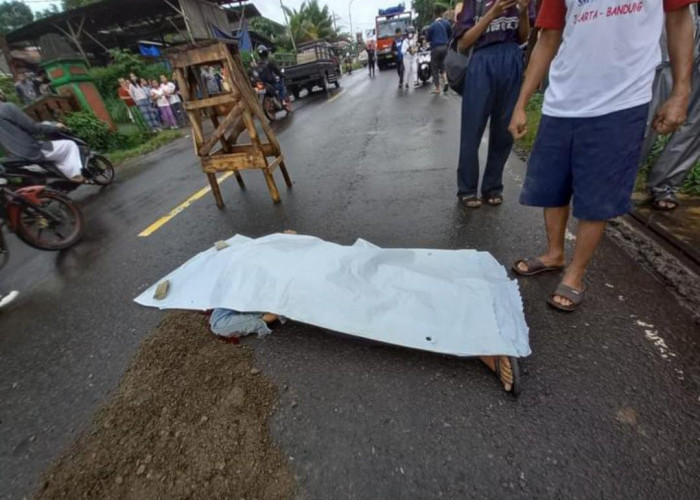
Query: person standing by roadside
{"points": [[158, 94], [438, 34], [174, 100], [141, 96], [26, 89], [593, 119], [490, 91], [125, 97], [409, 47], [371, 59], [398, 55]]}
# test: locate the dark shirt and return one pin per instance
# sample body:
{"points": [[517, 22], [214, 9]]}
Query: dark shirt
{"points": [[27, 91], [17, 133], [268, 70], [439, 33], [396, 48], [503, 29]]}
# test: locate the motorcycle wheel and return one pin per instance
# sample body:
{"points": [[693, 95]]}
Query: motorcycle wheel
{"points": [[269, 108], [101, 170], [35, 230]]}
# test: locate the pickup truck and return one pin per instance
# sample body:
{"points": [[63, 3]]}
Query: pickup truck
{"points": [[317, 65]]}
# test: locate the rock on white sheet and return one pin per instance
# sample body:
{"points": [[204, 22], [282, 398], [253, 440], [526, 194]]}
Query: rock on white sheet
{"points": [[458, 302]]}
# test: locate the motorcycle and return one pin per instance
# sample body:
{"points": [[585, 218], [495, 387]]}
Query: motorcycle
{"points": [[423, 63], [96, 169], [270, 100], [39, 216]]}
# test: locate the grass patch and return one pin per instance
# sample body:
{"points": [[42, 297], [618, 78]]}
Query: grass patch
{"points": [[155, 142], [534, 115]]}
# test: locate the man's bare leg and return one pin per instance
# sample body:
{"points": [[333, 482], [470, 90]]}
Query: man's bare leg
{"points": [[555, 220], [588, 236], [506, 370]]}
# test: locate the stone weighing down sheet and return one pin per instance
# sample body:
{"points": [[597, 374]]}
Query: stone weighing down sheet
{"points": [[458, 302]]}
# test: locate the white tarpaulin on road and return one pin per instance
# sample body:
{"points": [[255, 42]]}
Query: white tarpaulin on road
{"points": [[458, 302]]}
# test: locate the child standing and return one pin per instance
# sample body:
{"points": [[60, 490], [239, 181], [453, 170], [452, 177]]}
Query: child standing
{"points": [[161, 99]]}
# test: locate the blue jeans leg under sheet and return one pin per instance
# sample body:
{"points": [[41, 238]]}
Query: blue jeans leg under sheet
{"points": [[230, 323]]}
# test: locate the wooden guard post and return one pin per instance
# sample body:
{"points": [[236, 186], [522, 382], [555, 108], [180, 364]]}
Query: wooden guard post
{"points": [[232, 112]]}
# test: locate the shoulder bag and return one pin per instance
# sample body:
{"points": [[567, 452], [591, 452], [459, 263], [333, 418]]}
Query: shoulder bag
{"points": [[456, 63]]}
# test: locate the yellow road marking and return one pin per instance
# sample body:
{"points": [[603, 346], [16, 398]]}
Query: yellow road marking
{"points": [[335, 96], [182, 206]]}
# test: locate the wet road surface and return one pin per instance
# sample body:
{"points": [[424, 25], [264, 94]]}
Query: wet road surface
{"points": [[611, 393]]}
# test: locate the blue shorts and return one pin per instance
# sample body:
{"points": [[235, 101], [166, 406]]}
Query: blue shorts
{"points": [[592, 160]]}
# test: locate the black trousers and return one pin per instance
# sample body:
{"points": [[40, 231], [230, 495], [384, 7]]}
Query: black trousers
{"points": [[400, 69]]}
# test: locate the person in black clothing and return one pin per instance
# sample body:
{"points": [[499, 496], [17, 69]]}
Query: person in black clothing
{"points": [[371, 57], [398, 55], [270, 73]]}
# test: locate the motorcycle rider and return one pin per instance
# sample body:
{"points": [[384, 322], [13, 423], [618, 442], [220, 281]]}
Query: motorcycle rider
{"points": [[17, 137], [270, 73]]}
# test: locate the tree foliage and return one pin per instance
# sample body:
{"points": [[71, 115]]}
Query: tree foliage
{"points": [[74, 4], [14, 15], [424, 10], [48, 12], [310, 22], [267, 27]]}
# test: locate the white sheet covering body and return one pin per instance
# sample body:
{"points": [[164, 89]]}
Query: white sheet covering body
{"points": [[458, 302]]}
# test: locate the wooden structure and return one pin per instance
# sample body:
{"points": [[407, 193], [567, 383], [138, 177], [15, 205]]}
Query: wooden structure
{"points": [[233, 114], [52, 107]]}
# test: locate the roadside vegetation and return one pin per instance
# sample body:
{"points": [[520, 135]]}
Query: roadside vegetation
{"points": [[534, 114]]}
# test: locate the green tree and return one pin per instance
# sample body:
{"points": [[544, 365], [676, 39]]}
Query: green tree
{"points": [[43, 14], [424, 10], [310, 22], [74, 4], [267, 27], [14, 15]]}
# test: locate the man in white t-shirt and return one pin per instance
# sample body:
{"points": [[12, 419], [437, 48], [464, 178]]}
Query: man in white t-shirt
{"points": [[603, 56]]}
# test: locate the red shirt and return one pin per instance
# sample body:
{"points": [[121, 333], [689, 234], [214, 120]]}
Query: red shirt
{"points": [[122, 93]]}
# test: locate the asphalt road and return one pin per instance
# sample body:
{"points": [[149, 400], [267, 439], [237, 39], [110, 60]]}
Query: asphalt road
{"points": [[610, 407]]}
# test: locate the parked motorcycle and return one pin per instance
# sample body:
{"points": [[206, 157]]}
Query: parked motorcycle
{"points": [[96, 169], [39, 216], [270, 100], [423, 63]]}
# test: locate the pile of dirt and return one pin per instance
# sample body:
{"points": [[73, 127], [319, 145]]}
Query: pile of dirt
{"points": [[189, 420]]}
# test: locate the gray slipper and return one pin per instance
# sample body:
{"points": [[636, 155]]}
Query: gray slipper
{"points": [[534, 266], [575, 296], [515, 369]]}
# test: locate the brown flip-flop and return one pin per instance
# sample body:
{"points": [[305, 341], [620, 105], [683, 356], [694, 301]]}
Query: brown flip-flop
{"points": [[575, 296], [515, 369], [534, 266]]}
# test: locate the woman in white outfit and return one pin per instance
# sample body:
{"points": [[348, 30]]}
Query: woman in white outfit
{"points": [[409, 48]]}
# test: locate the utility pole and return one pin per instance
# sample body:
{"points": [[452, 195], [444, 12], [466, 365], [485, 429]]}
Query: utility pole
{"points": [[291, 35], [352, 34]]}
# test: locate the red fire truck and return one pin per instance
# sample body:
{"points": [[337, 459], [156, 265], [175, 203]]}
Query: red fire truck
{"points": [[387, 22]]}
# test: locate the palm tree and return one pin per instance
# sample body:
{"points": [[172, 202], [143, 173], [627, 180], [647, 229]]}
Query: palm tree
{"points": [[310, 22]]}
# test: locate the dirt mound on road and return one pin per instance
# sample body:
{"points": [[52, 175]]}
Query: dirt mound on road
{"points": [[189, 420]]}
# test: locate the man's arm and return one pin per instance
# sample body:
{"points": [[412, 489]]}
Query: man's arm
{"points": [[524, 20], [679, 31], [542, 56]]}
